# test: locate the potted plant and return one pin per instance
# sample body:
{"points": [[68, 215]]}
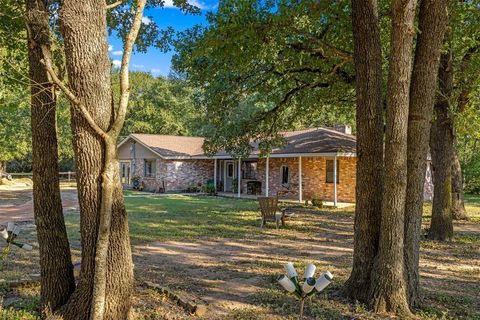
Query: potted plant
{"points": [[210, 189], [235, 185], [317, 201], [136, 182]]}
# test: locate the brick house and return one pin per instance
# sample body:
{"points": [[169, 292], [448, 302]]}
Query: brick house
{"points": [[314, 162]]}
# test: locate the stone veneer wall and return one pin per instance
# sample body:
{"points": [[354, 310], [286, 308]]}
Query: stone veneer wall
{"points": [[176, 174], [314, 177]]}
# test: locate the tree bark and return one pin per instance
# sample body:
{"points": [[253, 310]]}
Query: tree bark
{"points": [[388, 289], [432, 25], [83, 25], [57, 281], [367, 55], [458, 202], [442, 139]]}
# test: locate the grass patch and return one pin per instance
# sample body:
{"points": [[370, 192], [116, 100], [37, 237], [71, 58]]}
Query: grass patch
{"points": [[153, 218], [449, 268]]}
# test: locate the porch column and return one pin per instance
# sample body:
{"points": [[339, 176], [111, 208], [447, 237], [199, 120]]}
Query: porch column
{"points": [[239, 177], [267, 164], [335, 181], [215, 174], [224, 178], [300, 188]]}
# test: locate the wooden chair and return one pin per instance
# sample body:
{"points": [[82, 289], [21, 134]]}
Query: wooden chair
{"points": [[270, 211]]}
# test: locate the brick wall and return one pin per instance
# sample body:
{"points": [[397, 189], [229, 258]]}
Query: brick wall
{"points": [[177, 175], [182, 174], [314, 178]]}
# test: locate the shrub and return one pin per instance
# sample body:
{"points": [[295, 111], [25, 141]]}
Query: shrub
{"points": [[317, 201]]}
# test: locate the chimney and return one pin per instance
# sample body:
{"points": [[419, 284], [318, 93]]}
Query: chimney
{"points": [[343, 128]]}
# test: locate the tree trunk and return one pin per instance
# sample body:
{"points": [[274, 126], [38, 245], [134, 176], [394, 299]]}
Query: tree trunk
{"points": [[442, 139], [369, 117], [57, 281], [388, 289], [3, 167], [432, 25], [458, 203], [83, 26]]}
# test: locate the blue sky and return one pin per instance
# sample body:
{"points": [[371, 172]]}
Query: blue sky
{"points": [[155, 61]]}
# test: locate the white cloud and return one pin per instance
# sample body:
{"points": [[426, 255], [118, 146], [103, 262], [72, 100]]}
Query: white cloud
{"points": [[138, 66], [146, 20], [155, 70], [117, 53], [116, 63], [110, 47], [168, 4], [199, 4]]}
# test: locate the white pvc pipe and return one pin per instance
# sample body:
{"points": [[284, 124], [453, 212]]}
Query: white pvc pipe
{"points": [[4, 234], [287, 284], [308, 285], [323, 281], [309, 271], [290, 270]]}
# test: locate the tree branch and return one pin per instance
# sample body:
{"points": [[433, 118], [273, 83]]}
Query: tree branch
{"points": [[124, 79], [288, 96], [114, 4], [466, 84], [70, 95]]}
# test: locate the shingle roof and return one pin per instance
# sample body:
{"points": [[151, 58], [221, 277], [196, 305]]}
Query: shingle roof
{"points": [[317, 140], [171, 146], [307, 141]]}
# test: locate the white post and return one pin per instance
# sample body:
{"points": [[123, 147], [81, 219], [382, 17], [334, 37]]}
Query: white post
{"points": [[215, 174], [239, 178], [68, 176], [300, 187], [224, 176], [335, 181], [266, 175]]}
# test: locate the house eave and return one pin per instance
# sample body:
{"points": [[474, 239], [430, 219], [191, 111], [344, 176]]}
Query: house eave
{"points": [[251, 156], [141, 143], [275, 155]]}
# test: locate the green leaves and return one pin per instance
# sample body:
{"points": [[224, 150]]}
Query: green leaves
{"points": [[267, 66], [160, 106]]}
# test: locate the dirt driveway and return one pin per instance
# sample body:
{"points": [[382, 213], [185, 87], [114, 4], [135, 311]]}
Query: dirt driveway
{"points": [[16, 202], [240, 274]]}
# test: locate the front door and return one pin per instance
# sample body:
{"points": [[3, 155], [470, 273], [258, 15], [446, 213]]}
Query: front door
{"points": [[125, 172], [229, 175]]}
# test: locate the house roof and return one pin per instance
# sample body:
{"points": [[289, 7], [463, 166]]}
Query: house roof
{"points": [[315, 141], [170, 146]]}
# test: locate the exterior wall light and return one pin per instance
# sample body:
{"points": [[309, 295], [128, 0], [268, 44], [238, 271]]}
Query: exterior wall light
{"points": [[291, 283]]}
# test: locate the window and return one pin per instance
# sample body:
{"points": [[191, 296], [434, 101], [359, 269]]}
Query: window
{"points": [[249, 170], [330, 171], [149, 168], [285, 174], [230, 170]]}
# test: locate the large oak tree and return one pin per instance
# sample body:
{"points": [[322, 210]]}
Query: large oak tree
{"points": [[57, 282]]}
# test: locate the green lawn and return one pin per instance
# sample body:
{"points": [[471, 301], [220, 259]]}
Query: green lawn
{"points": [[209, 224], [161, 217]]}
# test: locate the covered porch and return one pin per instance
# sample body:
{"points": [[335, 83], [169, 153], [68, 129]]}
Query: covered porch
{"points": [[329, 177], [339, 205]]}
